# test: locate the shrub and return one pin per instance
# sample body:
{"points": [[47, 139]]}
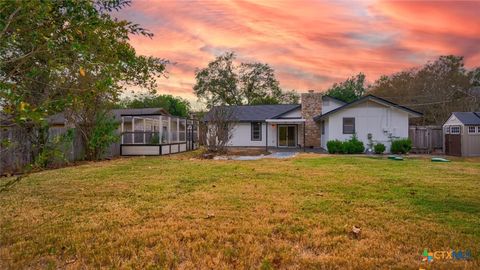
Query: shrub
{"points": [[401, 146], [103, 135], [54, 151], [379, 148], [334, 146], [352, 146]]}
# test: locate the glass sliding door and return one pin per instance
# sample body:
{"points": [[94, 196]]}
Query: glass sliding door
{"points": [[287, 135]]}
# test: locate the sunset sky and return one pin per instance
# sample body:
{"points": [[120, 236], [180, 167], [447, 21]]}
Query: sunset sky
{"points": [[310, 44]]}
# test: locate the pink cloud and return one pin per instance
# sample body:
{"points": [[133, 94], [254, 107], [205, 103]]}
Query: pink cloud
{"points": [[311, 44]]}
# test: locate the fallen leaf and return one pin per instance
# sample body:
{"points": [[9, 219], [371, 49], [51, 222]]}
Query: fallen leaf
{"points": [[82, 71]]}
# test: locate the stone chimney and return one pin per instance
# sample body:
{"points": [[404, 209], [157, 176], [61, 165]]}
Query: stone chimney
{"points": [[311, 107]]}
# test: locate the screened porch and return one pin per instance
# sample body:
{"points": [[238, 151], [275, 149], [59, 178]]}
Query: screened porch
{"points": [[144, 135]]}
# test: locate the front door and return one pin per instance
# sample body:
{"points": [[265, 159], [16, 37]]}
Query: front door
{"points": [[287, 135]]}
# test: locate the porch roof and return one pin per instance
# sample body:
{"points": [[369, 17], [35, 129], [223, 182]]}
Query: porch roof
{"points": [[286, 120]]}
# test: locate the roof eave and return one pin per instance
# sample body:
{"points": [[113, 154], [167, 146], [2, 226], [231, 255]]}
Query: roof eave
{"points": [[290, 110], [411, 113]]}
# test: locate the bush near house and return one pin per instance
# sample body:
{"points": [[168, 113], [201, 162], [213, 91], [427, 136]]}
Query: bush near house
{"points": [[401, 146], [352, 146], [379, 148], [334, 146]]}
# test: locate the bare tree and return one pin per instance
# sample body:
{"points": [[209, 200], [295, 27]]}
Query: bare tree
{"points": [[219, 126]]}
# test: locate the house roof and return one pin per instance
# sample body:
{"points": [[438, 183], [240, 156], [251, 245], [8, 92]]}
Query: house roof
{"points": [[59, 118], [365, 98], [468, 118], [334, 98], [251, 113]]}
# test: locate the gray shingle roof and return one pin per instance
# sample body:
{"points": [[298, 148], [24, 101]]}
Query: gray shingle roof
{"points": [[247, 113], [468, 118]]}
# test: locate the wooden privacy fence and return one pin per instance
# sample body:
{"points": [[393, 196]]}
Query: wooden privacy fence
{"points": [[15, 156], [426, 139]]}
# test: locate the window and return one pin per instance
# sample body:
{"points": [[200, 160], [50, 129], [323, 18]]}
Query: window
{"points": [[256, 131], [349, 125], [478, 129], [472, 129], [447, 129], [455, 130], [323, 127]]}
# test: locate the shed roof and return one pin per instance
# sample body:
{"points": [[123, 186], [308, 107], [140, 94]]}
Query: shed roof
{"points": [[468, 118], [251, 113]]}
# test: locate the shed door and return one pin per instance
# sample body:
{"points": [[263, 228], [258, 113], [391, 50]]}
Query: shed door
{"points": [[453, 144]]}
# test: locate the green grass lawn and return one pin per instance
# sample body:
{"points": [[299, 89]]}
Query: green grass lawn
{"points": [[180, 212]]}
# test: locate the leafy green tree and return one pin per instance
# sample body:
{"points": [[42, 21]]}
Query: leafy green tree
{"points": [[436, 88], [349, 90], [70, 56], [257, 83], [174, 105], [224, 83], [217, 83]]}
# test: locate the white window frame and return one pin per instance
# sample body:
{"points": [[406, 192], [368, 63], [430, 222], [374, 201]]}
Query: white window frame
{"points": [[474, 129], [454, 132], [252, 125], [478, 129]]}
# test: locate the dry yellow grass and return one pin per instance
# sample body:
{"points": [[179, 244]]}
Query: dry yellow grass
{"points": [[183, 213]]}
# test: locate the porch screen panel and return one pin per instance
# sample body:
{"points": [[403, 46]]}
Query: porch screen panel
{"points": [[182, 130], [173, 130], [138, 126], [127, 135], [151, 130], [165, 131]]}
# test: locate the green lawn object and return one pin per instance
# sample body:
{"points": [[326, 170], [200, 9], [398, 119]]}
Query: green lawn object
{"points": [[438, 159], [393, 157]]}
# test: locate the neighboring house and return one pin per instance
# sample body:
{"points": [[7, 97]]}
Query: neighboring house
{"points": [[462, 134], [318, 119]]}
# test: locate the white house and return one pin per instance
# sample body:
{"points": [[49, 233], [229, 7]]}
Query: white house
{"points": [[370, 118], [318, 119]]}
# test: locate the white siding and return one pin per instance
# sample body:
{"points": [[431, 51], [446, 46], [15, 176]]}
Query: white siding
{"points": [[453, 121], [140, 150], [241, 135], [324, 137], [370, 117], [329, 104], [297, 113]]}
